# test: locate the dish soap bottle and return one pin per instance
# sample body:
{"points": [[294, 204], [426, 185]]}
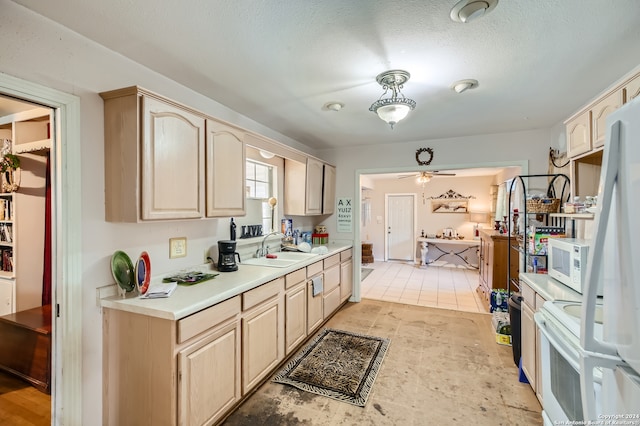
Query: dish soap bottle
{"points": [[232, 230]]}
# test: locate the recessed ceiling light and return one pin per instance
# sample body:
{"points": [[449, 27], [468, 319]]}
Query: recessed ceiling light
{"points": [[469, 10], [463, 85], [333, 106]]}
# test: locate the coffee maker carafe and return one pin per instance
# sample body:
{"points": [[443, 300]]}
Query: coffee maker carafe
{"points": [[227, 256]]}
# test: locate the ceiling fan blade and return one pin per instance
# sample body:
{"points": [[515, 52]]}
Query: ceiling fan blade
{"points": [[407, 176]]}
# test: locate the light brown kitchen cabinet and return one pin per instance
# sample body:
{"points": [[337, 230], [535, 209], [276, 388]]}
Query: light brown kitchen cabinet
{"points": [[585, 171], [331, 295], [315, 314], [579, 134], [346, 274], [599, 113], [309, 187], [162, 372], [209, 372], [493, 261], [225, 170], [530, 337], [154, 157], [295, 305], [262, 332], [328, 189], [632, 88]]}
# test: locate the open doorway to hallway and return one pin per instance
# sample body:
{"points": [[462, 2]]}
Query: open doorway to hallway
{"points": [[451, 285]]}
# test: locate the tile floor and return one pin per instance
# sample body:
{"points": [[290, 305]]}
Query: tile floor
{"points": [[436, 286], [443, 367]]}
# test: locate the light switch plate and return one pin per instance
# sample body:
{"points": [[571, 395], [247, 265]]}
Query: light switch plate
{"points": [[177, 247]]}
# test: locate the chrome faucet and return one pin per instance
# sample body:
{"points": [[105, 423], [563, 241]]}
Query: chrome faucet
{"points": [[262, 251]]}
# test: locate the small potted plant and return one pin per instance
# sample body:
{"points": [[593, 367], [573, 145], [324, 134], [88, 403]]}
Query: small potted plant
{"points": [[10, 169]]}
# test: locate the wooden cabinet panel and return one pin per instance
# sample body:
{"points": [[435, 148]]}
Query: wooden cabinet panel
{"points": [[314, 309], [331, 302], [295, 316], [493, 261], [346, 279], [262, 293], [172, 162], [225, 170], [579, 134], [262, 342], [295, 277], [305, 189], [199, 322], [528, 336], [154, 158], [331, 278], [329, 190], [599, 113], [210, 376], [632, 89]]}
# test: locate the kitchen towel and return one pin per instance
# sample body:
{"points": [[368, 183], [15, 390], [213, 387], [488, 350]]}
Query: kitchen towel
{"points": [[316, 282]]}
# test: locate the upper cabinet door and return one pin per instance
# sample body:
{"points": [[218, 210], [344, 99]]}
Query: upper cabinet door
{"points": [[599, 114], [579, 134], [225, 166], [172, 162], [315, 174], [329, 190], [632, 89]]}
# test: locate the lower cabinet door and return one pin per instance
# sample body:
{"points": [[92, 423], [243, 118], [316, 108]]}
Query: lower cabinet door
{"points": [[262, 341], [331, 302], [209, 376], [346, 280], [314, 309], [528, 336], [295, 316]]}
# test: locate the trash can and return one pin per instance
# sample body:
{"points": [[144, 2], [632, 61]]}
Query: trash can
{"points": [[515, 311]]}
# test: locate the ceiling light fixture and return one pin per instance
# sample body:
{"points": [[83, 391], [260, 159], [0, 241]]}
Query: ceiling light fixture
{"points": [[266, 154], [469, 10], [463, 85], [394, 108], [333, 106]]}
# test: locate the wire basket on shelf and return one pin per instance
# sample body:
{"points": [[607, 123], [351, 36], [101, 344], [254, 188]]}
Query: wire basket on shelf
{"points": [[543, 205]]}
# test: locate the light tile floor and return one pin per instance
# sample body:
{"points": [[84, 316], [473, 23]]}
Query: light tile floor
{"points": [[446, 287]]}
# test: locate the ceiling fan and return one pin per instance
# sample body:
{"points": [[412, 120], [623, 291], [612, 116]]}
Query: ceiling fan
{"points": [[424, 177]]}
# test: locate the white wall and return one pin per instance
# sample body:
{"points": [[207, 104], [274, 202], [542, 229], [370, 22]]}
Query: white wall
{"points": [[529, 149]]}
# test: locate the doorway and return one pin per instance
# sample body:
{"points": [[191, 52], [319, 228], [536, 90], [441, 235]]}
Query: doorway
{"points": [[66, 243], [401, 228]]}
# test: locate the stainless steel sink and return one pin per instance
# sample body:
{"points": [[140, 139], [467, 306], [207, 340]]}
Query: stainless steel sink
{"points": [[283, 259]]}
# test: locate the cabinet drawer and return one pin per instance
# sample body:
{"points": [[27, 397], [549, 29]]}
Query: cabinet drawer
{"points": [[295, 277], [314, 269], [346, 255], [528, 294], [331, 260], [258, 295], [331, 278], [207, 318]]}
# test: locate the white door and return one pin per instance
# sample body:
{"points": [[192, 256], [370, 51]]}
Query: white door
{"points": [[400, 226]]}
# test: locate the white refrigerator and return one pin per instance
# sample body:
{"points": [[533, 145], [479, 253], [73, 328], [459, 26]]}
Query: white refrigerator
{"points": [[614, 260]]}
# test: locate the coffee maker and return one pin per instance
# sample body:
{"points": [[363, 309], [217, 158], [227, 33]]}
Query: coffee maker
{"points": [[227, 256]]}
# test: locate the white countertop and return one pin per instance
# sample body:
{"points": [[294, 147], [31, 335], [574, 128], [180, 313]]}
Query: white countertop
{"points": [[187, 300], [550, 288]]}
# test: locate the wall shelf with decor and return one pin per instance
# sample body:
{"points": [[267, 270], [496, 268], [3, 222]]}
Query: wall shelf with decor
{"points": [[534, 217]]}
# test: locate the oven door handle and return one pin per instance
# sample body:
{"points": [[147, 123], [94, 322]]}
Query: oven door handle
{"points": [[558, 344], [588, 362]]}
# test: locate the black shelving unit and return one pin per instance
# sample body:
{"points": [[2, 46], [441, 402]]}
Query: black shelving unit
{"points": [[553, 181]]}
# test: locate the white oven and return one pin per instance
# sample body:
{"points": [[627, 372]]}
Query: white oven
{"points": [[559, 326]]}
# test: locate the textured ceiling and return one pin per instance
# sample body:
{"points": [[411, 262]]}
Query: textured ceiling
{"points": [[278, 62]]}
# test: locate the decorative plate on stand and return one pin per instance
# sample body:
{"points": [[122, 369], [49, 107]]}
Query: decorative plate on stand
{"points": [[143, 272], [122, 270]]}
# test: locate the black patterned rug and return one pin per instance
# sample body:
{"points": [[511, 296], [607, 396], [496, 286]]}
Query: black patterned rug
{"points": [[337, 364]]}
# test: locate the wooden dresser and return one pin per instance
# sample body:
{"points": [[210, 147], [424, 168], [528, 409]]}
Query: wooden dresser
{"points": [[493, 261], [25, 346]]}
